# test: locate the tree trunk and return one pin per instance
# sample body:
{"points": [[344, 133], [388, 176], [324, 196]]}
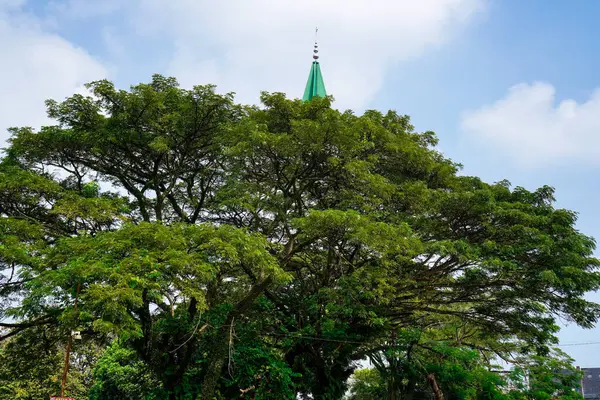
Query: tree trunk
{"points": [[215, 365], [221, 341], [437, 393]]}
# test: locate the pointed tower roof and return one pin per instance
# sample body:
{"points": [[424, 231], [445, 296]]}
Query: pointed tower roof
{"points": [[315, 85]]}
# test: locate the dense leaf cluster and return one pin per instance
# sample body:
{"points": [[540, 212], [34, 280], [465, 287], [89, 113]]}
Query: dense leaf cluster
{"points": [[263, 252]]}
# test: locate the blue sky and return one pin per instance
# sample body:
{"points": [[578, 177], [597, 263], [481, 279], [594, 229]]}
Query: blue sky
{"points": [[518, 42], [509, 86]]}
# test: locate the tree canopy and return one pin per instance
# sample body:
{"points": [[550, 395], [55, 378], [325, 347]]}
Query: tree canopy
{"points": [[224, 250]]}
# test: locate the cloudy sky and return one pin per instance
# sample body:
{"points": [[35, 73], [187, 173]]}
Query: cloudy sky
{"points": [[511, 87]]}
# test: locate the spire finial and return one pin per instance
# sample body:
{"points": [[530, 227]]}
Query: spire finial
{"points": [[314, 85], [316, 49]]}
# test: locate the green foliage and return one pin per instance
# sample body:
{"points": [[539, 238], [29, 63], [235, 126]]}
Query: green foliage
{"points": [[549, 377], [119, 374], [367, 384], [182, 215], [462, 373], [31, 365], [257, 370]]}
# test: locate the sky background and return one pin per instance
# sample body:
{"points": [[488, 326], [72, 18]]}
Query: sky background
{"points": [[511, 87]]}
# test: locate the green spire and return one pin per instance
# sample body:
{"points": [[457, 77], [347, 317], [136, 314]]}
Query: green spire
{"points": [[315, 85]]}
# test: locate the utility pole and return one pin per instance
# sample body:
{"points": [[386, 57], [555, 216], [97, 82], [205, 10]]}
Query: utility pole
{"points": [[393, 366], [68, 350]]}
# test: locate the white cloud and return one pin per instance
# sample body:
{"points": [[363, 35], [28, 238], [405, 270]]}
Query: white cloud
{"points": [[36, 65], [530, 127], [248, 46]]}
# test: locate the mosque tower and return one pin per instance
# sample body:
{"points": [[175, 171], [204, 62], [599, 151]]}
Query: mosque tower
{"points": [[315, 85]]}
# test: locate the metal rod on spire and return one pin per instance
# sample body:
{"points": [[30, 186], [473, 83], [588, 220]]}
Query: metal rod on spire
{"points": [[316, 49]]}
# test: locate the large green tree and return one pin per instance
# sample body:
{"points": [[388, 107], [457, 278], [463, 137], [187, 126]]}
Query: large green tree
{"points": [[182, 217]]}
